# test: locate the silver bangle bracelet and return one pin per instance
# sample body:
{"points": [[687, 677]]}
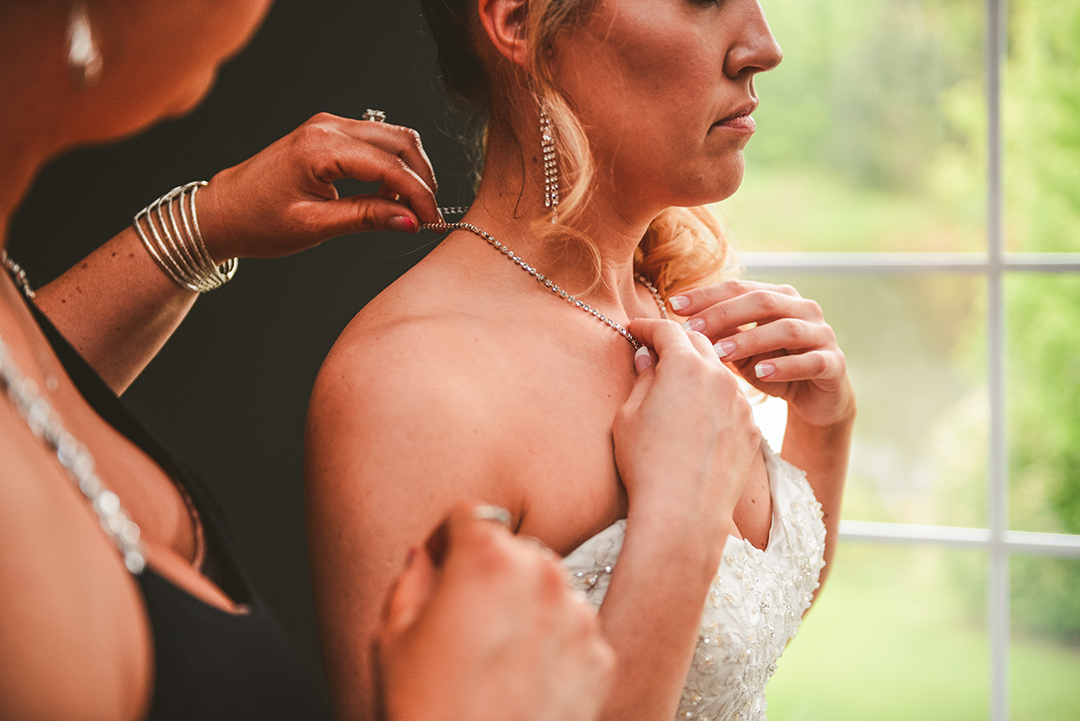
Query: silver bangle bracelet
{"points": [[177, 247]]}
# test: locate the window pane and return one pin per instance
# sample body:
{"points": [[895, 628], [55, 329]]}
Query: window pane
{"points": [[916, 348], [1044, 401], [1042, 126], [899, 633], [871, 133], [1045, 654]]}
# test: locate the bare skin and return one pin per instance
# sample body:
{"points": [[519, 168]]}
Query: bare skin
{"points": [[466, 378]]}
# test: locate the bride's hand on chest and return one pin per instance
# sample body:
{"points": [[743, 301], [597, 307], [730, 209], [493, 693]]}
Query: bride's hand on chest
{"points": [[685, 440]]}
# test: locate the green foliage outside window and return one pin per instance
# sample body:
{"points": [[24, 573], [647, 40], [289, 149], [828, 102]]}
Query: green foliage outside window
{"points": [[872, 137], [1043, 188]]}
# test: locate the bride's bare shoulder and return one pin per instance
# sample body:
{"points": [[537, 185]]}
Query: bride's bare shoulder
{"points": [[436, 318], [404, 377], [403, 332], [416, 350]]}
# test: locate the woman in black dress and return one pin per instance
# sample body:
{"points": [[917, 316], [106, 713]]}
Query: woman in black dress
{"points": [[120, 595]]}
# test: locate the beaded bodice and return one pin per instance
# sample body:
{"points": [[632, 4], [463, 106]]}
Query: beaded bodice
{"points": [[754, 604]]}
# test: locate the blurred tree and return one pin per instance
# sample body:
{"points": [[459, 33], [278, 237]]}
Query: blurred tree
{"points": [[1042, 126], [886, 99]]}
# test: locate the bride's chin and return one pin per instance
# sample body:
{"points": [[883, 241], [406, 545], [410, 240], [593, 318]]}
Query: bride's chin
{"points": [[728, 183], [713, 193]]}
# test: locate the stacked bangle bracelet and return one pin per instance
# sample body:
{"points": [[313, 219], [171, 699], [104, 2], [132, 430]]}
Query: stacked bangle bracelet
{"points": [[175, 241]]}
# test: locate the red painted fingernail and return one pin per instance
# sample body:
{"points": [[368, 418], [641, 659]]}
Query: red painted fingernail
{"points": [[401, 222]]}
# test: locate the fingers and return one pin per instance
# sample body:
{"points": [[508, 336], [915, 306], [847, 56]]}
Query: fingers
{"points": [[468, 524], [359, 213], [783, 335], [813, 365], [668, 338], [283, 199], [411, 592], [786, 334], [501, 634], [697, 300], [390, 155], [399, 140], [759, 306], [373, 164]]}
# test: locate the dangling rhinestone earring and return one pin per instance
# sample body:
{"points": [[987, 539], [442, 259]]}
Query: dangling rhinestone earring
{"points": [[84, 58], [551, 165]]}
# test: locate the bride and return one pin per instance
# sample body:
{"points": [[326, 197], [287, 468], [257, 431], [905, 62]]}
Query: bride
{"points": [[515, 364]]}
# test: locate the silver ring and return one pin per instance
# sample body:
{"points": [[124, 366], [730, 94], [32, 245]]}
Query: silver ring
{"points": [[375, 116], [492, 513]]}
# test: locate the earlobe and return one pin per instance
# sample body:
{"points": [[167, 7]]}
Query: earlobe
{"points": [[504, 23]]}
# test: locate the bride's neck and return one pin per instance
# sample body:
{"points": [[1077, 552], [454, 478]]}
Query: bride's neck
{"points": [[510, 205]]}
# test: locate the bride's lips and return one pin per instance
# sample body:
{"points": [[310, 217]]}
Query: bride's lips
{"points": [[740, 120]]}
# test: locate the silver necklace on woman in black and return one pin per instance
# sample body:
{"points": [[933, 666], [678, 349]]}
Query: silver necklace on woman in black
{"points": [[45, 424]]}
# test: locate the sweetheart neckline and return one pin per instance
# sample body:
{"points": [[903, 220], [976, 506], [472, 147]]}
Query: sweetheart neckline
{"points": [[774, 472]]}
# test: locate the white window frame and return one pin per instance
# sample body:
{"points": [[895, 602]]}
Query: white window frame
{"points": [[996, 539]]}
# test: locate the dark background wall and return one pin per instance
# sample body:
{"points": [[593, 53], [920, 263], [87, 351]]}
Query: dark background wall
{"points": [[229, 392]]}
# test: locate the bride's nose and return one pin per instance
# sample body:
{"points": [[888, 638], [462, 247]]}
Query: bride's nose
{"points": [[756, 50]]}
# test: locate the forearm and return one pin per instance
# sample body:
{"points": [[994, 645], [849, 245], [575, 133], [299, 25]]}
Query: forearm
{"points": [[117, 308], [823, 452], [652, 613]]}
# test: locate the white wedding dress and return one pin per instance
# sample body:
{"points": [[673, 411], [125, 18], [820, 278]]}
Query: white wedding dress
{"points": [[753, 607]]}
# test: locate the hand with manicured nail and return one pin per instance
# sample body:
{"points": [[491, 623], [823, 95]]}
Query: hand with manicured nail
{"points": [[686, 447], [678, 456], [278, 202], [283, 200], [778, 341]]}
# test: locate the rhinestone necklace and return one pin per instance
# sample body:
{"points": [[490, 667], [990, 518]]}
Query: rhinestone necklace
{"points": [[542, 279], [47, 427], [17, 274]]}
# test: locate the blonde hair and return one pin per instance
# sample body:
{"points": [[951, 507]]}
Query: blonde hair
{"points": [[683, 247]]}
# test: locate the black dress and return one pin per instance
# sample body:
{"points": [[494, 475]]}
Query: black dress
{"points": [[209, 664]]}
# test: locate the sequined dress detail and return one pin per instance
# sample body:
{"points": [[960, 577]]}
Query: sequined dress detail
{"points": [[754, 604]]}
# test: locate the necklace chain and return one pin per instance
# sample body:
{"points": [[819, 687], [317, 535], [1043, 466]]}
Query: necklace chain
{"points": [[544, 280], [17, 274], [46, 426]]}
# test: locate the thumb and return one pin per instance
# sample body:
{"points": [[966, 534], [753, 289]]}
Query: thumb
{"points": [[362, 213], [645, 364], [410, 593]]}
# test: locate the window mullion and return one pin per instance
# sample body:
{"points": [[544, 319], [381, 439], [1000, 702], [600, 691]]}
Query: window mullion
{"points": [[998, 586]]}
